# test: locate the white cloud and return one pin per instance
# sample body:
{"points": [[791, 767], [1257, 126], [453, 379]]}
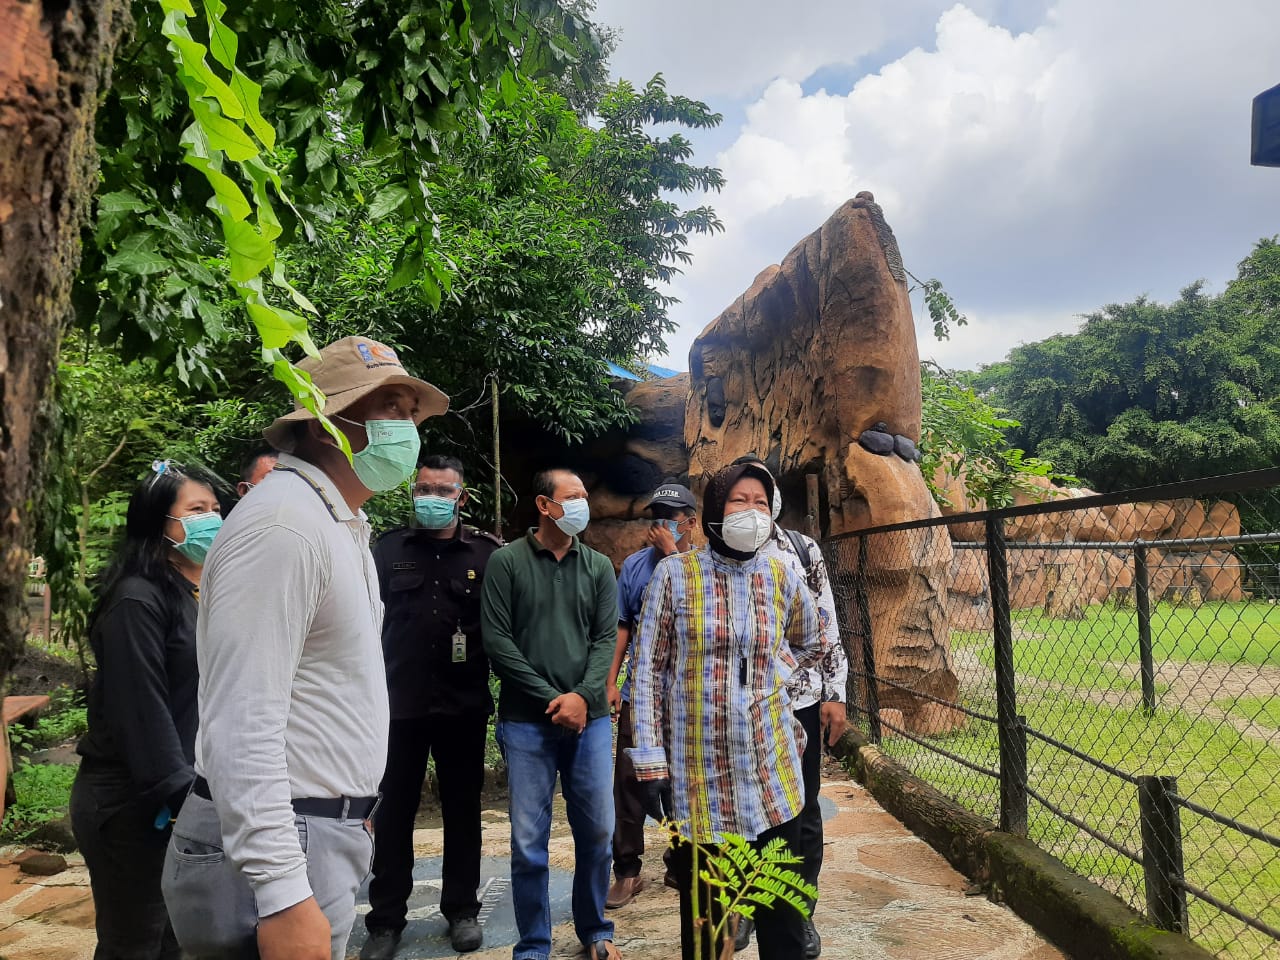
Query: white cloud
{"points": [[988, 337], [709, 48], [1101, 155]]}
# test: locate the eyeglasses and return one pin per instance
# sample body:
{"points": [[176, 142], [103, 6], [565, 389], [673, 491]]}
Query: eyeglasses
{"points": [[448, 490]]}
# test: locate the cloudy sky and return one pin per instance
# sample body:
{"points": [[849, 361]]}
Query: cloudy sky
{"points": [[1041, 158]]}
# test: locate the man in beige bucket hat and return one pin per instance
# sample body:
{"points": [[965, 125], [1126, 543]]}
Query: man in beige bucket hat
{"points": [[272, 843]]}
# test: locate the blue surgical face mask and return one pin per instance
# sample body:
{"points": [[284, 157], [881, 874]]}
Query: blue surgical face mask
{"points": [[577, 514], [435, 513], [198, 532], [673, 528], [390, 456]]}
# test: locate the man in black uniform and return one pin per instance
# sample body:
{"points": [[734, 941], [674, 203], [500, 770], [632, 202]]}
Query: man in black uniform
{"points": [[438, 680]]}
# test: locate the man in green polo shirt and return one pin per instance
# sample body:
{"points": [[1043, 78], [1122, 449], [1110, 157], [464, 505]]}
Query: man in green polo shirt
{"points": [[548, 615]]}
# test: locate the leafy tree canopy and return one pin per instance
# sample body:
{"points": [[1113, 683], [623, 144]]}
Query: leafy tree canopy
{"points": [[963, 436], [553, 238], [273, 86], [1148, 393]]}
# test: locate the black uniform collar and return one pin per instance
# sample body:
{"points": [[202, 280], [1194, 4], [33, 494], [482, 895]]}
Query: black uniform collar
{"points": [[460, 535]]}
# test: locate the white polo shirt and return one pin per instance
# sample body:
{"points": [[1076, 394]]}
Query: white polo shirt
{"points": [[293, 693]]}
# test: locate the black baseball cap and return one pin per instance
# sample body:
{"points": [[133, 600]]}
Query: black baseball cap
{"points": [[672, 494]]}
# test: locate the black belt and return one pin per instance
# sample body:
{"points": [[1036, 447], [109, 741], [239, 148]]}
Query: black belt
{"points": [[332, 808]]}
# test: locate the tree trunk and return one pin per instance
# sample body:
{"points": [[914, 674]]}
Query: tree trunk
{"points": [[55, 60]]}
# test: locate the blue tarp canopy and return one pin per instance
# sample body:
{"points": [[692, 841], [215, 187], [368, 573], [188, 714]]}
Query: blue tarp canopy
{"points": [[654, 371]]}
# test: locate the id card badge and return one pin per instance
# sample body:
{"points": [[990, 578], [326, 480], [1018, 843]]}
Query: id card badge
{"points": [[459, 646]]}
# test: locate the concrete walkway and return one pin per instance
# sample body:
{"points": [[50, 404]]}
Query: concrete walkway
{"points": [[885, 896]]}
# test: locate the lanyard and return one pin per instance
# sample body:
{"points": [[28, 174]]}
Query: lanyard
{"points": [[741, 632]]}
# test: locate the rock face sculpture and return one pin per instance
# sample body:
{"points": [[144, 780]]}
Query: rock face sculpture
{"points": [[815, 369], [1062, 582]]}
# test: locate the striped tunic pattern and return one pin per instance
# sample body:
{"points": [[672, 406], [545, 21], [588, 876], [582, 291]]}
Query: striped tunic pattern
{"points": [[718, 641]]}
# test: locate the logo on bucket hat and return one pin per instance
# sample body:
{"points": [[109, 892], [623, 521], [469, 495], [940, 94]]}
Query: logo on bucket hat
{"points": [[376, 354]]}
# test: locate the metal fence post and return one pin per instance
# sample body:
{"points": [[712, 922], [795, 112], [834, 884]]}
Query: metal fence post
{"points": [[1012, 736], [868, 647], [1162, 852], [1142, 603]]}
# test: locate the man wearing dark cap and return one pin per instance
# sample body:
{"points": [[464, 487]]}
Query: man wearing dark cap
{"points": [[673, 509], [273, 843]]}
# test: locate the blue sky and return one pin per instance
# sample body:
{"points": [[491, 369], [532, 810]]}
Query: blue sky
{"points": [[1041, 158]]}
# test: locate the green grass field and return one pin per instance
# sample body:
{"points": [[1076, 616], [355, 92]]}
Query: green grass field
{"points": [[1078, 681], [1261, 710]]}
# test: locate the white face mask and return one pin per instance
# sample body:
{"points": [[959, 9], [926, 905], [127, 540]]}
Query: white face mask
{"points": [[577, 514], [746, 531]]}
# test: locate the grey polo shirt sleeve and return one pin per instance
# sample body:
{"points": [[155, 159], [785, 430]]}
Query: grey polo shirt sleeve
{"points": [[262, 591]]}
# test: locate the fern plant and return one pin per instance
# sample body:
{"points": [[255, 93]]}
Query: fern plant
{"points": [[742, 879]]}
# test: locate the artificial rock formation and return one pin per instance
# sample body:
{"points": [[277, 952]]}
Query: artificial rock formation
{"points": [[815, 369], [819, 352], [1063, 582]]}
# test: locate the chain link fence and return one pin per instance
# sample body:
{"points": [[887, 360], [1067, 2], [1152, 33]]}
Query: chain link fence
{"points": [[1101, 675]]}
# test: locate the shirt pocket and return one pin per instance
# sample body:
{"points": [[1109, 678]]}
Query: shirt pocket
{"points": [[466, 595], [404, 595]]}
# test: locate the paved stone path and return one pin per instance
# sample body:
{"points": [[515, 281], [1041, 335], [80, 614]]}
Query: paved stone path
{"points": [[886, 895]]}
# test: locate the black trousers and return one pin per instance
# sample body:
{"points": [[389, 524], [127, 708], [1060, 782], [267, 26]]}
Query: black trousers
{"points": [[457, 744], [779, 930], [125, 856], [628, 804], [811, 815]]}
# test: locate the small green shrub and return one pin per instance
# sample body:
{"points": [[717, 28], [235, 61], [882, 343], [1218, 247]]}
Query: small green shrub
{"points": [[43, 792], [60, 727], [66, 719]]}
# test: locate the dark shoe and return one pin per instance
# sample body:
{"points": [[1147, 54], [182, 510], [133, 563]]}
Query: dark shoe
{"points": [[623, 891], [465, 935], [381, 945], [604, 950], [812, 942], [742, 939]]}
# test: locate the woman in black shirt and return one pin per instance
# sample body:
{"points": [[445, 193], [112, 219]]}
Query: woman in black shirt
{"points": [[138, 755]]}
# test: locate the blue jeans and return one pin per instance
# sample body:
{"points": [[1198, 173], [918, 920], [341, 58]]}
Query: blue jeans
{"points": [[534, 752]]}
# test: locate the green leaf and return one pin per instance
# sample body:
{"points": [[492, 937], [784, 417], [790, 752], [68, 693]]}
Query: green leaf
{"points": [[388, 201], [249, 94], [250, 251], [120, 201], [301, 387], [277, 327], [226, 193], [510, 90], [319, 150], [191, 56], [278, 278], [430, 289], [178, 6], [407, 269], [223, 134], [223, 42], [137, 255], [437, 78]]}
